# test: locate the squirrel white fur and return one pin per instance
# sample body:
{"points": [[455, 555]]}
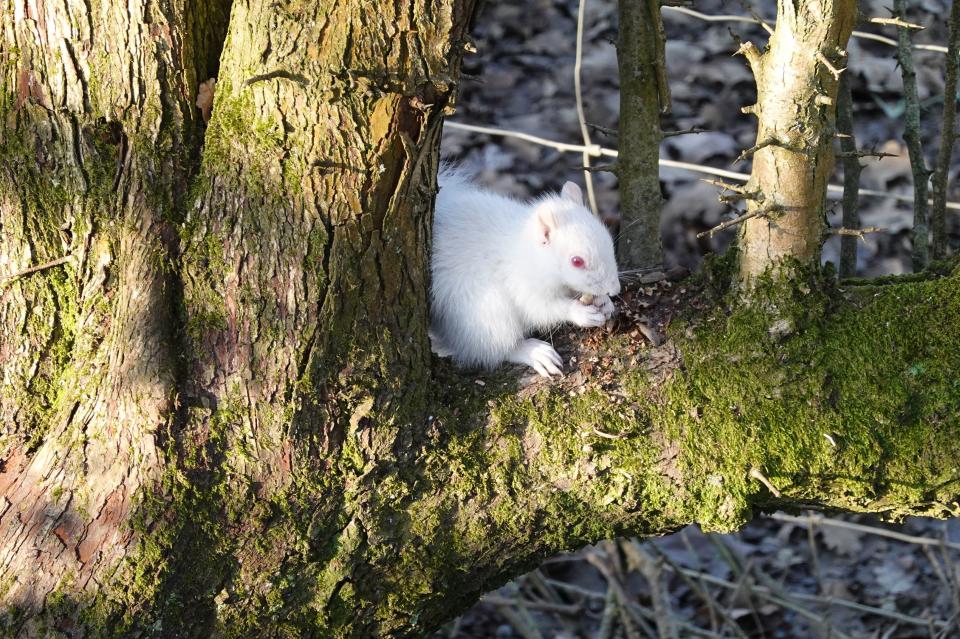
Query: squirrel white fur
{"points": [[503, 268]]}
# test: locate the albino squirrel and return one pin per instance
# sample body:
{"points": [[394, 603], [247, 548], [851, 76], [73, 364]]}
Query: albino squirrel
{"points": [[503, 268]]}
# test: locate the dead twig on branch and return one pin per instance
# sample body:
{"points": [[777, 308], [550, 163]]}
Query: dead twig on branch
{"points": [[856, 233], [897, 22], [694, 130], [766, 210], [34, 269]]}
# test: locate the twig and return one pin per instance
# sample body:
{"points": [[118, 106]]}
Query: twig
{"points": [[672, 134], [596, 560], [563, 609], [864, 154], [578, 96], [602, 129], [522, 625], [756, 17], [764, 591], [652, 570], [764, 210], [855, 233], [689, 628], [726, 186], [760, 477], [865, 35], [897, 22], [34, 269], [595, 150], [938, 219], [911, 136], [820, 520], [834, 71], [703, 593], [749, 153]]}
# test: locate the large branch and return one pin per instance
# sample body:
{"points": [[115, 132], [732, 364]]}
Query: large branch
{"points": [[843, 400]]}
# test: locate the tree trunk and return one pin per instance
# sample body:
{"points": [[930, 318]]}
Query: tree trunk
{"points": [[797, 78], [643, 93], [98, 141], [221, 416]]}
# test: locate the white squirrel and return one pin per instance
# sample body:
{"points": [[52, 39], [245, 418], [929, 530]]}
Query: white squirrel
{"points": [[503, 268]]}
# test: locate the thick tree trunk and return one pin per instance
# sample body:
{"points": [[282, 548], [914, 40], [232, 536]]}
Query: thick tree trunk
{"points": [[98, 140], [220, 416]]}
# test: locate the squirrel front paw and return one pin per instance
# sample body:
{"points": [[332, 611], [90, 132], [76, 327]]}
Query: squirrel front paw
{"points": [[605, 304], [539, 355], [586, 315]]}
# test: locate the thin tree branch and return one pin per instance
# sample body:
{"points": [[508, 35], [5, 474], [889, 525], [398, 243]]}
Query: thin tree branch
{"points": [[34, 269], [911, 136], [851, 177], [595, 150], [578, 96], [897, 22], [740, 219], [938, 218]]}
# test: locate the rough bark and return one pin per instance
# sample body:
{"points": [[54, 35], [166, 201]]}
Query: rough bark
{"points": [[98, 135], [642, 95], [243, 435], [792, 161]]}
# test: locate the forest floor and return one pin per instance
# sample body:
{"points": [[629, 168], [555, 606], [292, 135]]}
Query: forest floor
{"points": [[781, 576]]}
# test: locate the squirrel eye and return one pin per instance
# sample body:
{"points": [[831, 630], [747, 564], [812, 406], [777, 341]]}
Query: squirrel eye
{"points": [[577, 261]]}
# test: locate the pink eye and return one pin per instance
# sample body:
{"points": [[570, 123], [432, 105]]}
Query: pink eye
{"points": [[577, 261]]}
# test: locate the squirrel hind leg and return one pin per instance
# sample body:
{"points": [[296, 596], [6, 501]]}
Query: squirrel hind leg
{"points": [[539, 355]]}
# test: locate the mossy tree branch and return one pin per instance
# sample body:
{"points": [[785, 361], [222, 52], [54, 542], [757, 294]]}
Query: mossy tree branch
{"points": [[255, 392]]}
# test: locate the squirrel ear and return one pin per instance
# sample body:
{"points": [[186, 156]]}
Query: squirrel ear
{"points": [[572, 192], [546, 222]]}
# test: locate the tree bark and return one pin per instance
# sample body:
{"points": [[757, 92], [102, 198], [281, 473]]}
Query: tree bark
{"points": [[642, 96], [98, 140], [223, 419], [797, 78]]}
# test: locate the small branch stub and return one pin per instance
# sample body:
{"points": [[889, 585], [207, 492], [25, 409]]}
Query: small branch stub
{"points": [[760, 477]]}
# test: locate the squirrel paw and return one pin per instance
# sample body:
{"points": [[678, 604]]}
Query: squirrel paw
{"points": [[539, 355], [605, 304], [586, 315]]}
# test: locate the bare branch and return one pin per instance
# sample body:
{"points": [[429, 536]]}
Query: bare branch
{"points": [[694, 130], [760, 477], [34, 269], [578, 96], [866, 154], [911, 136], [851, 177], [748, 153], [897, 22], [947, 137], [858, 233], [765, 210], [835, 72]]}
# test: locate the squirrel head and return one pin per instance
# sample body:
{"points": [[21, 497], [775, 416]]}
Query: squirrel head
{"points": [[575, 243]]}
